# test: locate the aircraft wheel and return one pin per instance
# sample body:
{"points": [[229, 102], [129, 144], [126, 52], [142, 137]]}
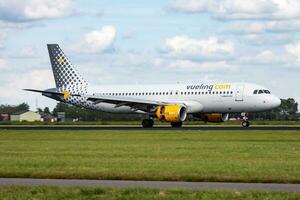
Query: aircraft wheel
{"points": [[176, 124], [245, 124], [147, 123]]}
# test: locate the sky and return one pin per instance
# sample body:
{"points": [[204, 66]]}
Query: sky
{"points": [[148, 42]]}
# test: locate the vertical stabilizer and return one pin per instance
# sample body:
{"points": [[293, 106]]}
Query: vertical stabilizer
{"points": [[65, 75]]}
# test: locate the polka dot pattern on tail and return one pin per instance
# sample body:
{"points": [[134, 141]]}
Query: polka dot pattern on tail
{"points": [[67, 79], [65, 75]]}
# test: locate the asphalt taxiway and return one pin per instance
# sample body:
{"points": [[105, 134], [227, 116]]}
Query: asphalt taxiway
{"points": [[152, 184]]}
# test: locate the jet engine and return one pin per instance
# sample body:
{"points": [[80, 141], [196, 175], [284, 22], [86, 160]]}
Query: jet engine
{"points": [[171, 113], [212, 117]]}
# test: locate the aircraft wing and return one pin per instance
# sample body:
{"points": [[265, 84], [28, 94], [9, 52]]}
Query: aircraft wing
{"points": [[136, 104]]}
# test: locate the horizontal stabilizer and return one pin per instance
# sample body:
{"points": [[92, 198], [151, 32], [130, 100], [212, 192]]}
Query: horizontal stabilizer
{"points": [[43, 91], [64, 94]]}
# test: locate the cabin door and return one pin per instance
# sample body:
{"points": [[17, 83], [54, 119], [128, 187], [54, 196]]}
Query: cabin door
{"points": [[239, 93]]}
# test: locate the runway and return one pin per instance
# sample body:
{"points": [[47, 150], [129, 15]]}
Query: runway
{"points": [[157, 128], [152, 184]]}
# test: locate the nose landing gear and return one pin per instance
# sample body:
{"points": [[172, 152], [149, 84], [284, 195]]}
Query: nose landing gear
{"points": [[245, 122]]}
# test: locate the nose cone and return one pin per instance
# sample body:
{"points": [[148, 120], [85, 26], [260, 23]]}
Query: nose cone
{"points": [[276, 101]]}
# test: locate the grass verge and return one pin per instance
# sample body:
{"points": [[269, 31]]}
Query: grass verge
{"points": [[18, 192], [238, 156]]}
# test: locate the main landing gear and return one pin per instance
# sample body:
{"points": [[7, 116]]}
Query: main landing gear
{"points": [[147, 123], [176, 124], [245, 122]]}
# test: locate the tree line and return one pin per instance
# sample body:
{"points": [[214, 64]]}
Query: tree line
{"points": [[288, 110]]}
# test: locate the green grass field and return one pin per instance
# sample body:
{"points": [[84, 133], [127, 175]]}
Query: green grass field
{"points": [[243, 156], [132, 194]]}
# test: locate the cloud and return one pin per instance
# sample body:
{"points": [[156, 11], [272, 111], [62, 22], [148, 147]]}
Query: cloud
{"points": [[28, 52], [188, 65], [7, 28], [263, 27], [97, 40], [294, 51], [11, 90], [3, 35], [3, 63], [30, 10], [264, 57], [240, 9], [263, 40], [186, 47], [39, 79]]}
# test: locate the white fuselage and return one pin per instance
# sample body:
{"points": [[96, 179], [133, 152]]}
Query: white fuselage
{"points": [[198, 98]]}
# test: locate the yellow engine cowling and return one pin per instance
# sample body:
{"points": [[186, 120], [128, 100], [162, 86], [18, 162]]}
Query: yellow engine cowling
{"points": [[171, 113]]}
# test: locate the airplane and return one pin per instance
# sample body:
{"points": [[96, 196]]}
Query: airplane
{"points": [[166, 102]]}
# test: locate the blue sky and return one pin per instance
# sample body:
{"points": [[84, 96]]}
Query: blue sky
{"points": [[129, 42]]}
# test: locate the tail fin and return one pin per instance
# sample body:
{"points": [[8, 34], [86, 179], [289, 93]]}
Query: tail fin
{"points": [[65, 75]]}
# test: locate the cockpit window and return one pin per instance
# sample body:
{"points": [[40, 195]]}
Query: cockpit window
{"points": [[261, 92]]}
